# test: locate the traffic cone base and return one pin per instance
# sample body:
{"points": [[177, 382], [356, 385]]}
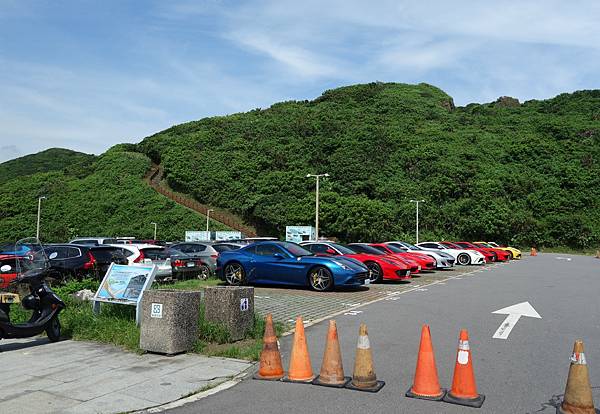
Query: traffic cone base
{"points": [[378, 386], [257, 376], [411, 394], [302, 381], [317, 381], [476, 402]]}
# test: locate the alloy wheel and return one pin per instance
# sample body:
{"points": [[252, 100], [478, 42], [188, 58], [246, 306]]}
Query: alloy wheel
{"points": [[320, 279], [234, 274]]}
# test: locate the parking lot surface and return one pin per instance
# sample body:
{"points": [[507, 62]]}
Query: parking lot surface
{"points": [[286, 304], [525, 373]]}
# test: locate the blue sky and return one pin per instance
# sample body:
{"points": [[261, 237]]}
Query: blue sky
{"points": [[87, 75]]}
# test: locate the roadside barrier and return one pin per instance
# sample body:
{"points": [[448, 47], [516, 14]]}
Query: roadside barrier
{"points": [[464, 390], [426, 384], [270, 368], [332, 369], [578, 392], [364, 378], [300, 369], [533, 252]]}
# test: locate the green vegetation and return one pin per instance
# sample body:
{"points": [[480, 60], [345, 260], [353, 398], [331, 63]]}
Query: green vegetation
{"points": [[53, 159], [116, 324], [110, 198], [525, 174]]}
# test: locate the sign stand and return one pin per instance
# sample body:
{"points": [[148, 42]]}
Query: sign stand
{"points": [[124, 285]]}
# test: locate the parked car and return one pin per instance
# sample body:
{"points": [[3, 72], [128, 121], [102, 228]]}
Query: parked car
{"points": [[201, 250], [185, 266], [285, 263], [426, 262], [513, 252], [148, 254], [463, 257], [442, 260], [80, 260], [222, 246], [380, 267], [415, 268], [499, 254], [8, 270]]}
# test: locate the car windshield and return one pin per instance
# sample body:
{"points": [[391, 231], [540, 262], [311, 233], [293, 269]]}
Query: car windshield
{"points": [[410, 246], [395, 249], [295, 249], [450, 245], [221, 247], [484, 245], [363, 248], [343, 249]]}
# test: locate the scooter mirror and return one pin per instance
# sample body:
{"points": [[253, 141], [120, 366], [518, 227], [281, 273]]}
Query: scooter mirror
{"points": [[5, 269]]}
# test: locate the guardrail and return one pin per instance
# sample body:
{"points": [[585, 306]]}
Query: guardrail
{"points": [[154, 178]]}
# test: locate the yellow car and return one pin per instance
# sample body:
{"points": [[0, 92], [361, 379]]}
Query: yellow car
{"points": [[514, 252]]}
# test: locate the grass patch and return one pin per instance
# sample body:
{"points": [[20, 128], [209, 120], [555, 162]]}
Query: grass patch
{"points": [[568, 250], [116, 323], [191, 284]]}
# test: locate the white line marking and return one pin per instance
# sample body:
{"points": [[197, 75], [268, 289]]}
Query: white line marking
{"points": [[514, 313]]}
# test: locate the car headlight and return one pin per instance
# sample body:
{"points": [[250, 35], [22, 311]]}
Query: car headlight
{"points": [[342, 265]]}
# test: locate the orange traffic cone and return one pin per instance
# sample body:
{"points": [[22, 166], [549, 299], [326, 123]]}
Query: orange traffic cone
{"points": [[270, 358], [578, 393], [332, 369], [426, 384], [300, 369], [533, 252], [464, 390], [364, 378]]}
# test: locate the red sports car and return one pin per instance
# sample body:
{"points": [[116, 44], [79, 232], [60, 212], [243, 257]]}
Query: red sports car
{"points": [[365, 248], [489, 256], [425, 261], [8, 270], [380, 267], [501, 255]]}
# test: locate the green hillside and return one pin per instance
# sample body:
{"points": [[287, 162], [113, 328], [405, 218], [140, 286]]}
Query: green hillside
{"points": [[53, 159], [107, 198], [521, 173]]}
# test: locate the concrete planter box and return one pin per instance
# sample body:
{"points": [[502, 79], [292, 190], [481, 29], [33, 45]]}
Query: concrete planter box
{"points": [[169, 320], [231, 306]]}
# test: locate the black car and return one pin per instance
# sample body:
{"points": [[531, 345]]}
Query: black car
{"points": [[81, 261]]}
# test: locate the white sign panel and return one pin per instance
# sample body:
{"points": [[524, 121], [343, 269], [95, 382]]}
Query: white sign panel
{"points": [[191, 236], [156, 310], [244, 304], [299, 234], [228, 235]]}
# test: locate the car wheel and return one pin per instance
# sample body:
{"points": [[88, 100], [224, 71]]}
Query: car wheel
{"points": [[464, 259], [234, 274], [203, 273], [510, 256], [320, 279], [53, 330], [375, 272]]}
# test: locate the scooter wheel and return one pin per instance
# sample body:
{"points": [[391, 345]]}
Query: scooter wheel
{"points": [[53, 330]]}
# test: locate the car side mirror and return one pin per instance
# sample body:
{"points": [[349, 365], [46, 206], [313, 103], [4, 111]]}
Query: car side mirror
{"points": [[278, 255], [5, 269]]}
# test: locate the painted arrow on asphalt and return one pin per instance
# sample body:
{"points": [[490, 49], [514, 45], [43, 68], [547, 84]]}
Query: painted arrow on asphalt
{"points": [[514, 313]]}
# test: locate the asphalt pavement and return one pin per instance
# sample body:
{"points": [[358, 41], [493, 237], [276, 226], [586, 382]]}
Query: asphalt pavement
{"points": [[525, 373]]}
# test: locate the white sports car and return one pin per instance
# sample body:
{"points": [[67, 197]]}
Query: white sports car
{"points": [[463, 256], [442, 260]]}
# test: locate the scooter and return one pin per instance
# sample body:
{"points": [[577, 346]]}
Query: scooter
{"points": [[32, 269]]}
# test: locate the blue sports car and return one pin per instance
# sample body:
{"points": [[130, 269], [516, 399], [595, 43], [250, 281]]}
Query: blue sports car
{"points": [[284, 263]]}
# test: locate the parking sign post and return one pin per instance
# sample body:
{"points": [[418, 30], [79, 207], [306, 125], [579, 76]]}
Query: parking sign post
{"points": [[417, 203], [317, 176]]}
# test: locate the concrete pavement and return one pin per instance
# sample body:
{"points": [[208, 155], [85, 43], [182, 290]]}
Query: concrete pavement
{"points": [[84, 377], [525, 373]]}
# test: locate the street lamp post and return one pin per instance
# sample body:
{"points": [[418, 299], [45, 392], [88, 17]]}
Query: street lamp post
{"points": [[207, 219], [155, 227], [39, 214], [317, 176], [417, 203]]}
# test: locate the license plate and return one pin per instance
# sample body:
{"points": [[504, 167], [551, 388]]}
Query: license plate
{"points": [[367, 281], [9, 298], [190, 264]]}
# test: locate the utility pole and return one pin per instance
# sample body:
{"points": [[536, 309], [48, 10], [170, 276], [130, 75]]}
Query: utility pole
{"points": [[39, 215], [155, 226], [317, 176], [417, 203], [207, 219]]}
